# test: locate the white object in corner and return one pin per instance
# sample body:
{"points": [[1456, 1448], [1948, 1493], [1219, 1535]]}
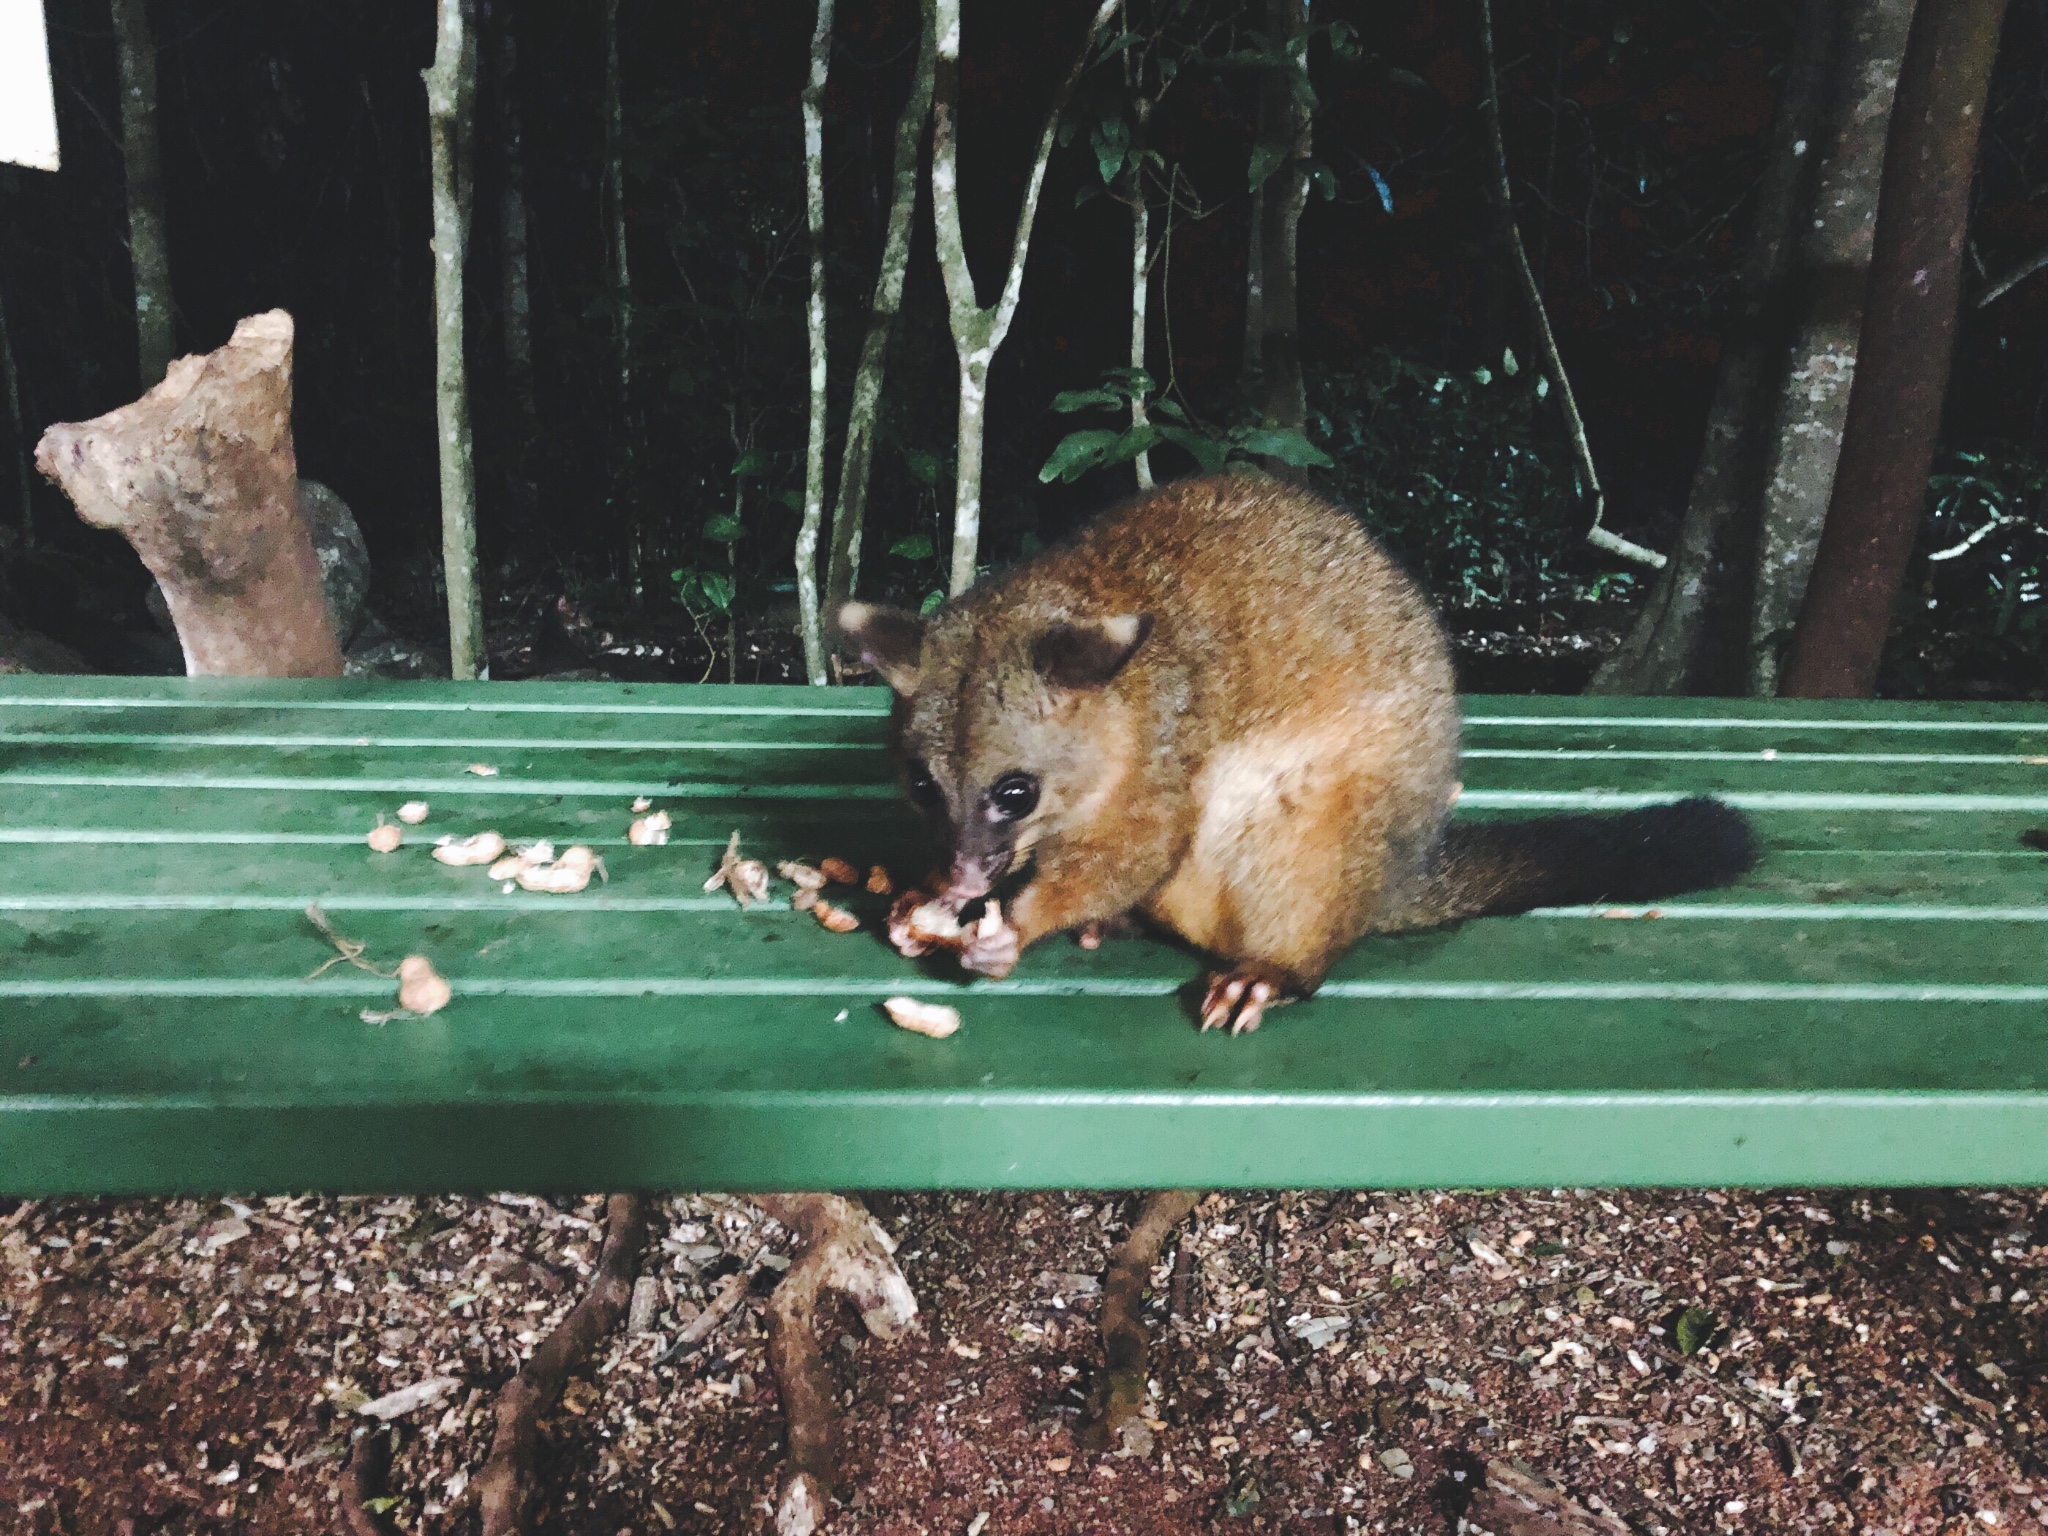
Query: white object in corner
{"points": [[28, 108]]}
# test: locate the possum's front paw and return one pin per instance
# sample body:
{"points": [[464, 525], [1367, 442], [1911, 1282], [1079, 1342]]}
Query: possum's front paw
{"points": [[990, 946], [1238, 999]]}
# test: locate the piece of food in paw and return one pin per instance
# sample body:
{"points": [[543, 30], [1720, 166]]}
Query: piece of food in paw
{"points": [[900, 936], [934, 922], [934, 1020]]}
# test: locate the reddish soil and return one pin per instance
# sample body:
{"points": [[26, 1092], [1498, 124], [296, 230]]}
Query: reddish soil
{"points": [[1865, 1362]]}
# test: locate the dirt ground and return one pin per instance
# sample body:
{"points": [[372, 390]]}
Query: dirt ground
{"points": [[1701, 1361]]}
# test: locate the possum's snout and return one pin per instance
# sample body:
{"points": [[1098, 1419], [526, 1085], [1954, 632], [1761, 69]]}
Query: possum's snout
{"points": [[975, 874]]}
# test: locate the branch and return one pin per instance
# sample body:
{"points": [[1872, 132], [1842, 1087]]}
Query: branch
{"points": [[507, 1488], [845, 1251], [842, 570], [808, 617], [1503, 195], [2014, 278], [1119, 1396], [976, 329]]}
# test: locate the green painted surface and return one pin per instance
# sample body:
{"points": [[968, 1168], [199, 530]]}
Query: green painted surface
{"points": [[1870, 1006]]}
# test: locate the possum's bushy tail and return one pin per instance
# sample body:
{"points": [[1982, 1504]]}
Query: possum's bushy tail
{"points": [[1491, 868]]}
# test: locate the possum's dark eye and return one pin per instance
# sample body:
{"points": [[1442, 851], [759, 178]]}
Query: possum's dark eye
{"points": [[924, 789], [1014, 797]]}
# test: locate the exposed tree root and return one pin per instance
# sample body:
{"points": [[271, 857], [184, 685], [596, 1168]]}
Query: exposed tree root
{"points": [[1116, 1406], [369, 1465], [508, 1486], [844, 1250]]}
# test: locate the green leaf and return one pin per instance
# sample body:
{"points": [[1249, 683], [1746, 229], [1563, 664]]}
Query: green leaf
{"points": [[379, 1506], [750, 463], [917, 547], [932, 600], [1112, 140], [1118, 44], [1242, 1502], [1211, 454], [1323, 179], [1696, 1325], [794, 500], [1289, 447], [1167, 409], [1266, 159], [924, 467], [723, 529], [717, 588], [1087, 192], [1070, 400], [1075, 455]]}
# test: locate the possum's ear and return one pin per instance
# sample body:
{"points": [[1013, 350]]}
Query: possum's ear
{"points": [[888, 639], [1088, 653]]}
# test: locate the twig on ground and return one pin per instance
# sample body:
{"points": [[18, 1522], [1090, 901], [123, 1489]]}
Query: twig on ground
{"points": [[845, 1250], [362, 1481], [1515, 1502], [1116, 1421], [507, 1486], [724, 1301]]}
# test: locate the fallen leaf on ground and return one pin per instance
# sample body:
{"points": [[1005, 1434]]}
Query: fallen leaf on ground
{"points": [[405, 1400]]}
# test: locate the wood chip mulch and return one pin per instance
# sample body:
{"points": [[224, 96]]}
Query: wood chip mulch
{"points": [[1657, 1362]]}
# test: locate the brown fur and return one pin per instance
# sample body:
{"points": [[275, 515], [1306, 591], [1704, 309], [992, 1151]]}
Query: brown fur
{"points": [[1266, 771]]}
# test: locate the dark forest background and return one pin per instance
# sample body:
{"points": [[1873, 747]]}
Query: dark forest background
{"points": [[295, 160]]}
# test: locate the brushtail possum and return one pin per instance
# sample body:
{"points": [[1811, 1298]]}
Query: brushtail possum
{"points": [[1224, 708]]}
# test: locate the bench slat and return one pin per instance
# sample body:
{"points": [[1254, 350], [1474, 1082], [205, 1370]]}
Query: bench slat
{"points": [[1869, 1006]]}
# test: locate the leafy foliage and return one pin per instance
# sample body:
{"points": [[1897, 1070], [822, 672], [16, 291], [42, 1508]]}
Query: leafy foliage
{"points": [[1461, 473], [1974, 603], [1211, 448]]}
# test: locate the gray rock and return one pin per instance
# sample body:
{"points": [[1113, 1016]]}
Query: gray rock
{"points": [[344, 557]]}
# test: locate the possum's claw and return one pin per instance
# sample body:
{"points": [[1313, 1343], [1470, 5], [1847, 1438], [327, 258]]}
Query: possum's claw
{"points": [[991, 946], [1239, 999]]}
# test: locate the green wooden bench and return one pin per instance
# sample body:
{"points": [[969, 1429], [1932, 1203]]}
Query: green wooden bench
{"points": [[1871, 1006]]}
